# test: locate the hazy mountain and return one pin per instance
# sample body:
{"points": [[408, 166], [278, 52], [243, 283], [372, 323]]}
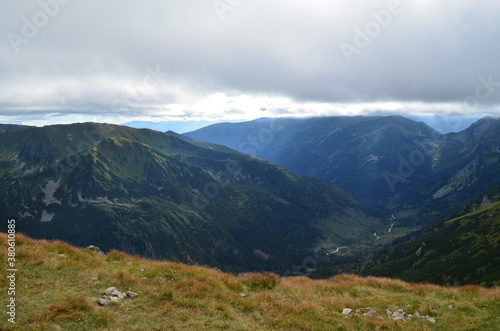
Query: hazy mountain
{"points": [[13, 127], [177, 126], [150, 193], [446, 124], [390, 161]]}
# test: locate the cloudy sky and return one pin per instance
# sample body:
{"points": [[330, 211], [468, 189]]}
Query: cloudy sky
{"points": [[116, 61]]}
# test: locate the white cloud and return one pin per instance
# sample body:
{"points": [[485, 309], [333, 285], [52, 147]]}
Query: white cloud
{"points": [[168, 59]]}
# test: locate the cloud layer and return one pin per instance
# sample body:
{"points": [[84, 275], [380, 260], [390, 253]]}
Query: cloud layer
{"points": [[236, 59]]}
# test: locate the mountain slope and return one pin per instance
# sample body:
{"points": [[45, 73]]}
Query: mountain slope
{"points": [[463, 250], [149, 193], [60, 292], [413, 170]]}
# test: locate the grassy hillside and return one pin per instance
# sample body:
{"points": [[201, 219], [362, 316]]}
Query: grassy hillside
{"points": [[463, 250], [149, 193], [60, 292]]}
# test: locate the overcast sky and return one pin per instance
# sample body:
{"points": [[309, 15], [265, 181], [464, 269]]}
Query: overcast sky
{"points": [[115, 61]]}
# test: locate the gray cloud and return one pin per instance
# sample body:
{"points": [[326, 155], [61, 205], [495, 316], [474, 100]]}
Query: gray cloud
{"points": [[100, 57]]}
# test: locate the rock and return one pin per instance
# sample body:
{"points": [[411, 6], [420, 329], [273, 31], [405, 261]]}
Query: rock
{"points": [[62, 255], [388, 312], [346, 311], [129, 263], [103, 302], [416, 314], [243, 295], [141, 270], [115, 293], [95, 249], [94, 279], [131, 294], [371, 312], [110, 290], [450, 307], [398, 318], [399, 315], [432, 320]]}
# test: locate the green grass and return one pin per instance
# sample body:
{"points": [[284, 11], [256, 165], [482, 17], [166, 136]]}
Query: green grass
{"points": [[56, 293], [463, 250]]}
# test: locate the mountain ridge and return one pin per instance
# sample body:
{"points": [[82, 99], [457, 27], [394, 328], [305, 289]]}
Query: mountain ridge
{"points": [[147, 192]]}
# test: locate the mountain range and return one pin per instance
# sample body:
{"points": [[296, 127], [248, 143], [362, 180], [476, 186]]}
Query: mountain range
{"points": [[394, 162], [149, 193], [316, 196]]}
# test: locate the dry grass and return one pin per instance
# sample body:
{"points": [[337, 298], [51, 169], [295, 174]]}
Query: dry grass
{"points": [[56, 293]]}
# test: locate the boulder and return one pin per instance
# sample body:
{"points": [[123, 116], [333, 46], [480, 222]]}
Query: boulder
{"points": [[95, 249], [103, 302], [110, 290], [431, 319], [131, 294], [346, 311]]}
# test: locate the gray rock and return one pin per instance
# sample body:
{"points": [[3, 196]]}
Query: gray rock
{"points": [[131, 294], [94, 279], [62, 255], [95, 249], [450, 307], [399, 314], [110, 290], [388, 312], [346, 311], [371, 312], [398, 318], [115, 293], [104, 302], [432, 320], [115, 299]]}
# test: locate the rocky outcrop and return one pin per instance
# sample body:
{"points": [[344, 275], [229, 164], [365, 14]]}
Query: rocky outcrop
{"points": [[113, 295], [96, 249], [397, 315]]}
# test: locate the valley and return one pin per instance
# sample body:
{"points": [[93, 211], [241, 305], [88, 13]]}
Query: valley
{"points": [[345, 190]]}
